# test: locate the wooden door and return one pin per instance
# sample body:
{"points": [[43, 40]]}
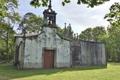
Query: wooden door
{"points": [[48, 59]]}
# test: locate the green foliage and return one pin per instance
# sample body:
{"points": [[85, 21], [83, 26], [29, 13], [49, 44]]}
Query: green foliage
{"points": [[113, 41], [37, 3], [8, 18], [114, 15], [8, 13], [60, 31], [32, 22], [6, 41], [99, 34], [5, 5], [90, 3], [66, 32], [86, 34], [94, 34]]}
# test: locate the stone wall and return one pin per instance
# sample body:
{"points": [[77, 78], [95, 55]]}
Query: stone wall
{"points": [[87, 53], [67, 54], [47, 39]]}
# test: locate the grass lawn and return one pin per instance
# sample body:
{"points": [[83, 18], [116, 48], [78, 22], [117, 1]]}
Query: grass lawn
{"points": [[112, 72]]}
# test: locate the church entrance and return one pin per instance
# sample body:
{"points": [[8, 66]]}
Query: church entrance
{"points": [[48, 59]]}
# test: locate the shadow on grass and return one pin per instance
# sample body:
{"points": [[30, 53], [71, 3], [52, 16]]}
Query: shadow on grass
{"points": [[10, 72], [115, 64]]}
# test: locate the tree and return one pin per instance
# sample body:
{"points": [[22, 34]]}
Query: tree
{"points": [[99, 34], [90, 3], [65, 32], [8, 18], [86, 34], [94, 34], [5, 5], [8, 14], [114, 15], [31, 22], [6, 41], [113, 42]]}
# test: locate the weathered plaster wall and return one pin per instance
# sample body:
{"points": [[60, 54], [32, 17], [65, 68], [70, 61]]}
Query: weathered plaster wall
{"points": [[76, 53], [93, 52], [86, 53], [50, 40]]}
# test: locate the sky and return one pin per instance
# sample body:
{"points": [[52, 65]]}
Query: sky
{"points": [[79, 16]]}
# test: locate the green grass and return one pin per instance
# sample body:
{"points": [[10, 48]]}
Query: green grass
{"points": [[112, 72]]}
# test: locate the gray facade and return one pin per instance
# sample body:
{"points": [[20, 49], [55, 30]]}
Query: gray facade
{"points": [[32, 55], [67, 53]]}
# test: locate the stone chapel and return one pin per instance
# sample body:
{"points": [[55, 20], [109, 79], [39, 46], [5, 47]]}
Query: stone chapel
{"points": [[47, 49]]}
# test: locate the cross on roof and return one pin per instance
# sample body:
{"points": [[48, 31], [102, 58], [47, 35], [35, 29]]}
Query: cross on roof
{"points": [[50, 6]]}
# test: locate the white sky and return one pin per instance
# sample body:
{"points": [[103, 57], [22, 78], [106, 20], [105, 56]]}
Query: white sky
{"points": [[79, 16]]}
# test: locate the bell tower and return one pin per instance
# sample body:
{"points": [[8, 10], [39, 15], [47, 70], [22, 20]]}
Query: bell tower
{"points": [[50, 16]]}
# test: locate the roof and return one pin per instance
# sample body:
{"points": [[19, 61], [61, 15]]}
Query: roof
{"points": [[29, 34], [88, 41], [62, 37], [36, 34]]}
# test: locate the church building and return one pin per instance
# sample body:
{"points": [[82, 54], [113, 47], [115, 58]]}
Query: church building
{"points": [[47, 49]]}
